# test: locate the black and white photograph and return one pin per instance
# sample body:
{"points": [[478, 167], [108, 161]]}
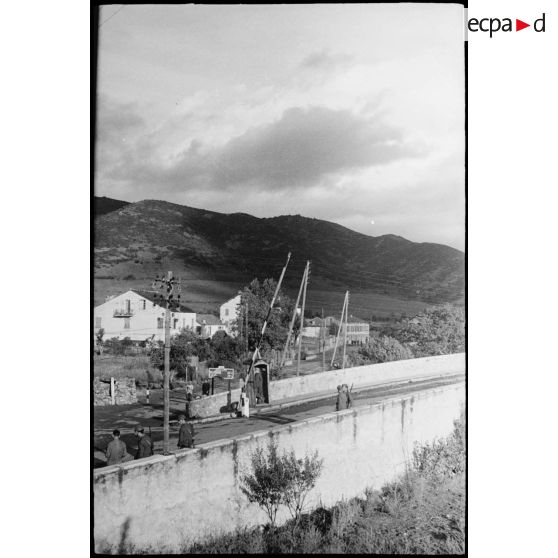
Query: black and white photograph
{"points": [[278, 293]]}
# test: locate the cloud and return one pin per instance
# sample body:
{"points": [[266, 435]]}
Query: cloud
{"points": [[306, 144], [323, 60], [298, 150]]}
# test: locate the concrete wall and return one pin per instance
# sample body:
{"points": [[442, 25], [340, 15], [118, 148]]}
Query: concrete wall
{"points": [[372, 374], [162, 502]]}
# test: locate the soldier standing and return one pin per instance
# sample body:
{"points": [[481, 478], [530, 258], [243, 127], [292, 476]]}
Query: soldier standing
{"points": [[116, 450], [145, 447], [185, 434]]}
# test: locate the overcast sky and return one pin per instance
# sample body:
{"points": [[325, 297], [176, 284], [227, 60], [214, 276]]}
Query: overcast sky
{"points": [[350, 113]]}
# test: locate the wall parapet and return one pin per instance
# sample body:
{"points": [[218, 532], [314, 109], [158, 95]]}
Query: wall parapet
{"points": [[167, 502], [358, 376]]}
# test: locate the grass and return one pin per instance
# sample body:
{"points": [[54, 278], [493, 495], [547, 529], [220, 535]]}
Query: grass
{"points": [[421, 513], [120, 366]]}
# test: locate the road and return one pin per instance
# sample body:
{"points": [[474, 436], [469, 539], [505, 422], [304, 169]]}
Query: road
{"points": [[125, 418]]}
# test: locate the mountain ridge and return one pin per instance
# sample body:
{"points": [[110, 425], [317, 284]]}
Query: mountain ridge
{"points": [[148, 234]]}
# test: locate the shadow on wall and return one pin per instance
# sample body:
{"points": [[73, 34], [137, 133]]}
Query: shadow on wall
{"points": [[123, 536]]}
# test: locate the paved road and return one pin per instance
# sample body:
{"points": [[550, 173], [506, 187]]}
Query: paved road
{"points": [[107, 418]]}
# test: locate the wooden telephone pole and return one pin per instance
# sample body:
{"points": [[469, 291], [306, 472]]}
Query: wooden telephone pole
{"points": [[306, 272], [323, 342], [346, 328], [169, 283], [343, 315], [291, 326], [250, 376]]}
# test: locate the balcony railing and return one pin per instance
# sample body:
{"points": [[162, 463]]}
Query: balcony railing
{"points": [[122, 313]]}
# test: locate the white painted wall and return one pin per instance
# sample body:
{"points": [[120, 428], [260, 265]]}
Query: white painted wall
{"points": [[142, 324], [164, 502], [229, 311]]}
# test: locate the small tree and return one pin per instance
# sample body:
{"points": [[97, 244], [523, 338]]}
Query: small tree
{"points": [[267, 484], [281, 479], [302, 474]]}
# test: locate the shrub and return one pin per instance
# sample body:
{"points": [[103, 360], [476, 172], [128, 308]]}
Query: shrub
{"points": [[281, 479], [302, 475], [442, 458], [268, 482], [381, 349]]}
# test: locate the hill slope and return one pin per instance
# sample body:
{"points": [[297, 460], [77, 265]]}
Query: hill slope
{"points": [[103, 205], [147, 237]]}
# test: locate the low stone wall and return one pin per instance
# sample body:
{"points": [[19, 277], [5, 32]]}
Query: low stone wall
{"points": [[357, 376], [162, 503], [213, 404], [124, 391]]}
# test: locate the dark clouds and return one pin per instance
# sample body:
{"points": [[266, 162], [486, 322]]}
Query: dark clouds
{"points": [[304, 145], [298, 150]]}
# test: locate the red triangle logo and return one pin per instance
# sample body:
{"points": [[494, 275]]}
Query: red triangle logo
{"points": [[519, 25]]}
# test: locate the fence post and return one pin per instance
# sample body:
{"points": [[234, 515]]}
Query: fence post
{"points": [[112, 394]]}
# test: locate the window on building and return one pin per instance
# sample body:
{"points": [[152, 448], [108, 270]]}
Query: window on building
{"points": [[127, 307], [98, 322], [226, 311], [159, 323], [126, 323], [143, 304], [175, 323]]}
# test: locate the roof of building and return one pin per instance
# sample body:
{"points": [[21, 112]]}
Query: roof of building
{"points": [[356, 320], [153, 296], [209, 319]]}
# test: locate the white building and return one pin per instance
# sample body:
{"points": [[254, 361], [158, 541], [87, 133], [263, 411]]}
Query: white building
{"points": [[209, 325], [229, 311], [137, 315]]}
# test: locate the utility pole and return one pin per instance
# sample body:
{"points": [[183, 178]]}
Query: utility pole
{"points": [[250, 375], [168, 283], [291, 326], [346, 328], [302, 316], [323, 342], [345, 304]]}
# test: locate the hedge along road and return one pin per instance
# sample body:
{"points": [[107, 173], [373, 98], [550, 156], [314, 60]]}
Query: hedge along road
{"points": [[125, 418]]}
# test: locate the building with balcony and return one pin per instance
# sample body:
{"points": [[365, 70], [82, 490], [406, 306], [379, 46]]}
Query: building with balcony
{"points": [[139, 316]]}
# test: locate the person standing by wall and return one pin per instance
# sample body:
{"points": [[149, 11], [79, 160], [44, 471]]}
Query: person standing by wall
{"points": [[116, 450], [347, 395], [186, 433], [258, 386], [145, 447], [189, 398], [341, 403]]}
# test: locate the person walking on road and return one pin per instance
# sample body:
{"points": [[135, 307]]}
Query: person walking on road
{"points": [[186, 433], [145, 447], [116, 450]]}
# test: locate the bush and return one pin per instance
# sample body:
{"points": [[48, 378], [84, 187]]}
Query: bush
{"points": [[380, 349], [442, 458], [280, 479]]}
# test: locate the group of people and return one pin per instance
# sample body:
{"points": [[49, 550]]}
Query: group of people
{"points": [[344, 400], [117, 451]]}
